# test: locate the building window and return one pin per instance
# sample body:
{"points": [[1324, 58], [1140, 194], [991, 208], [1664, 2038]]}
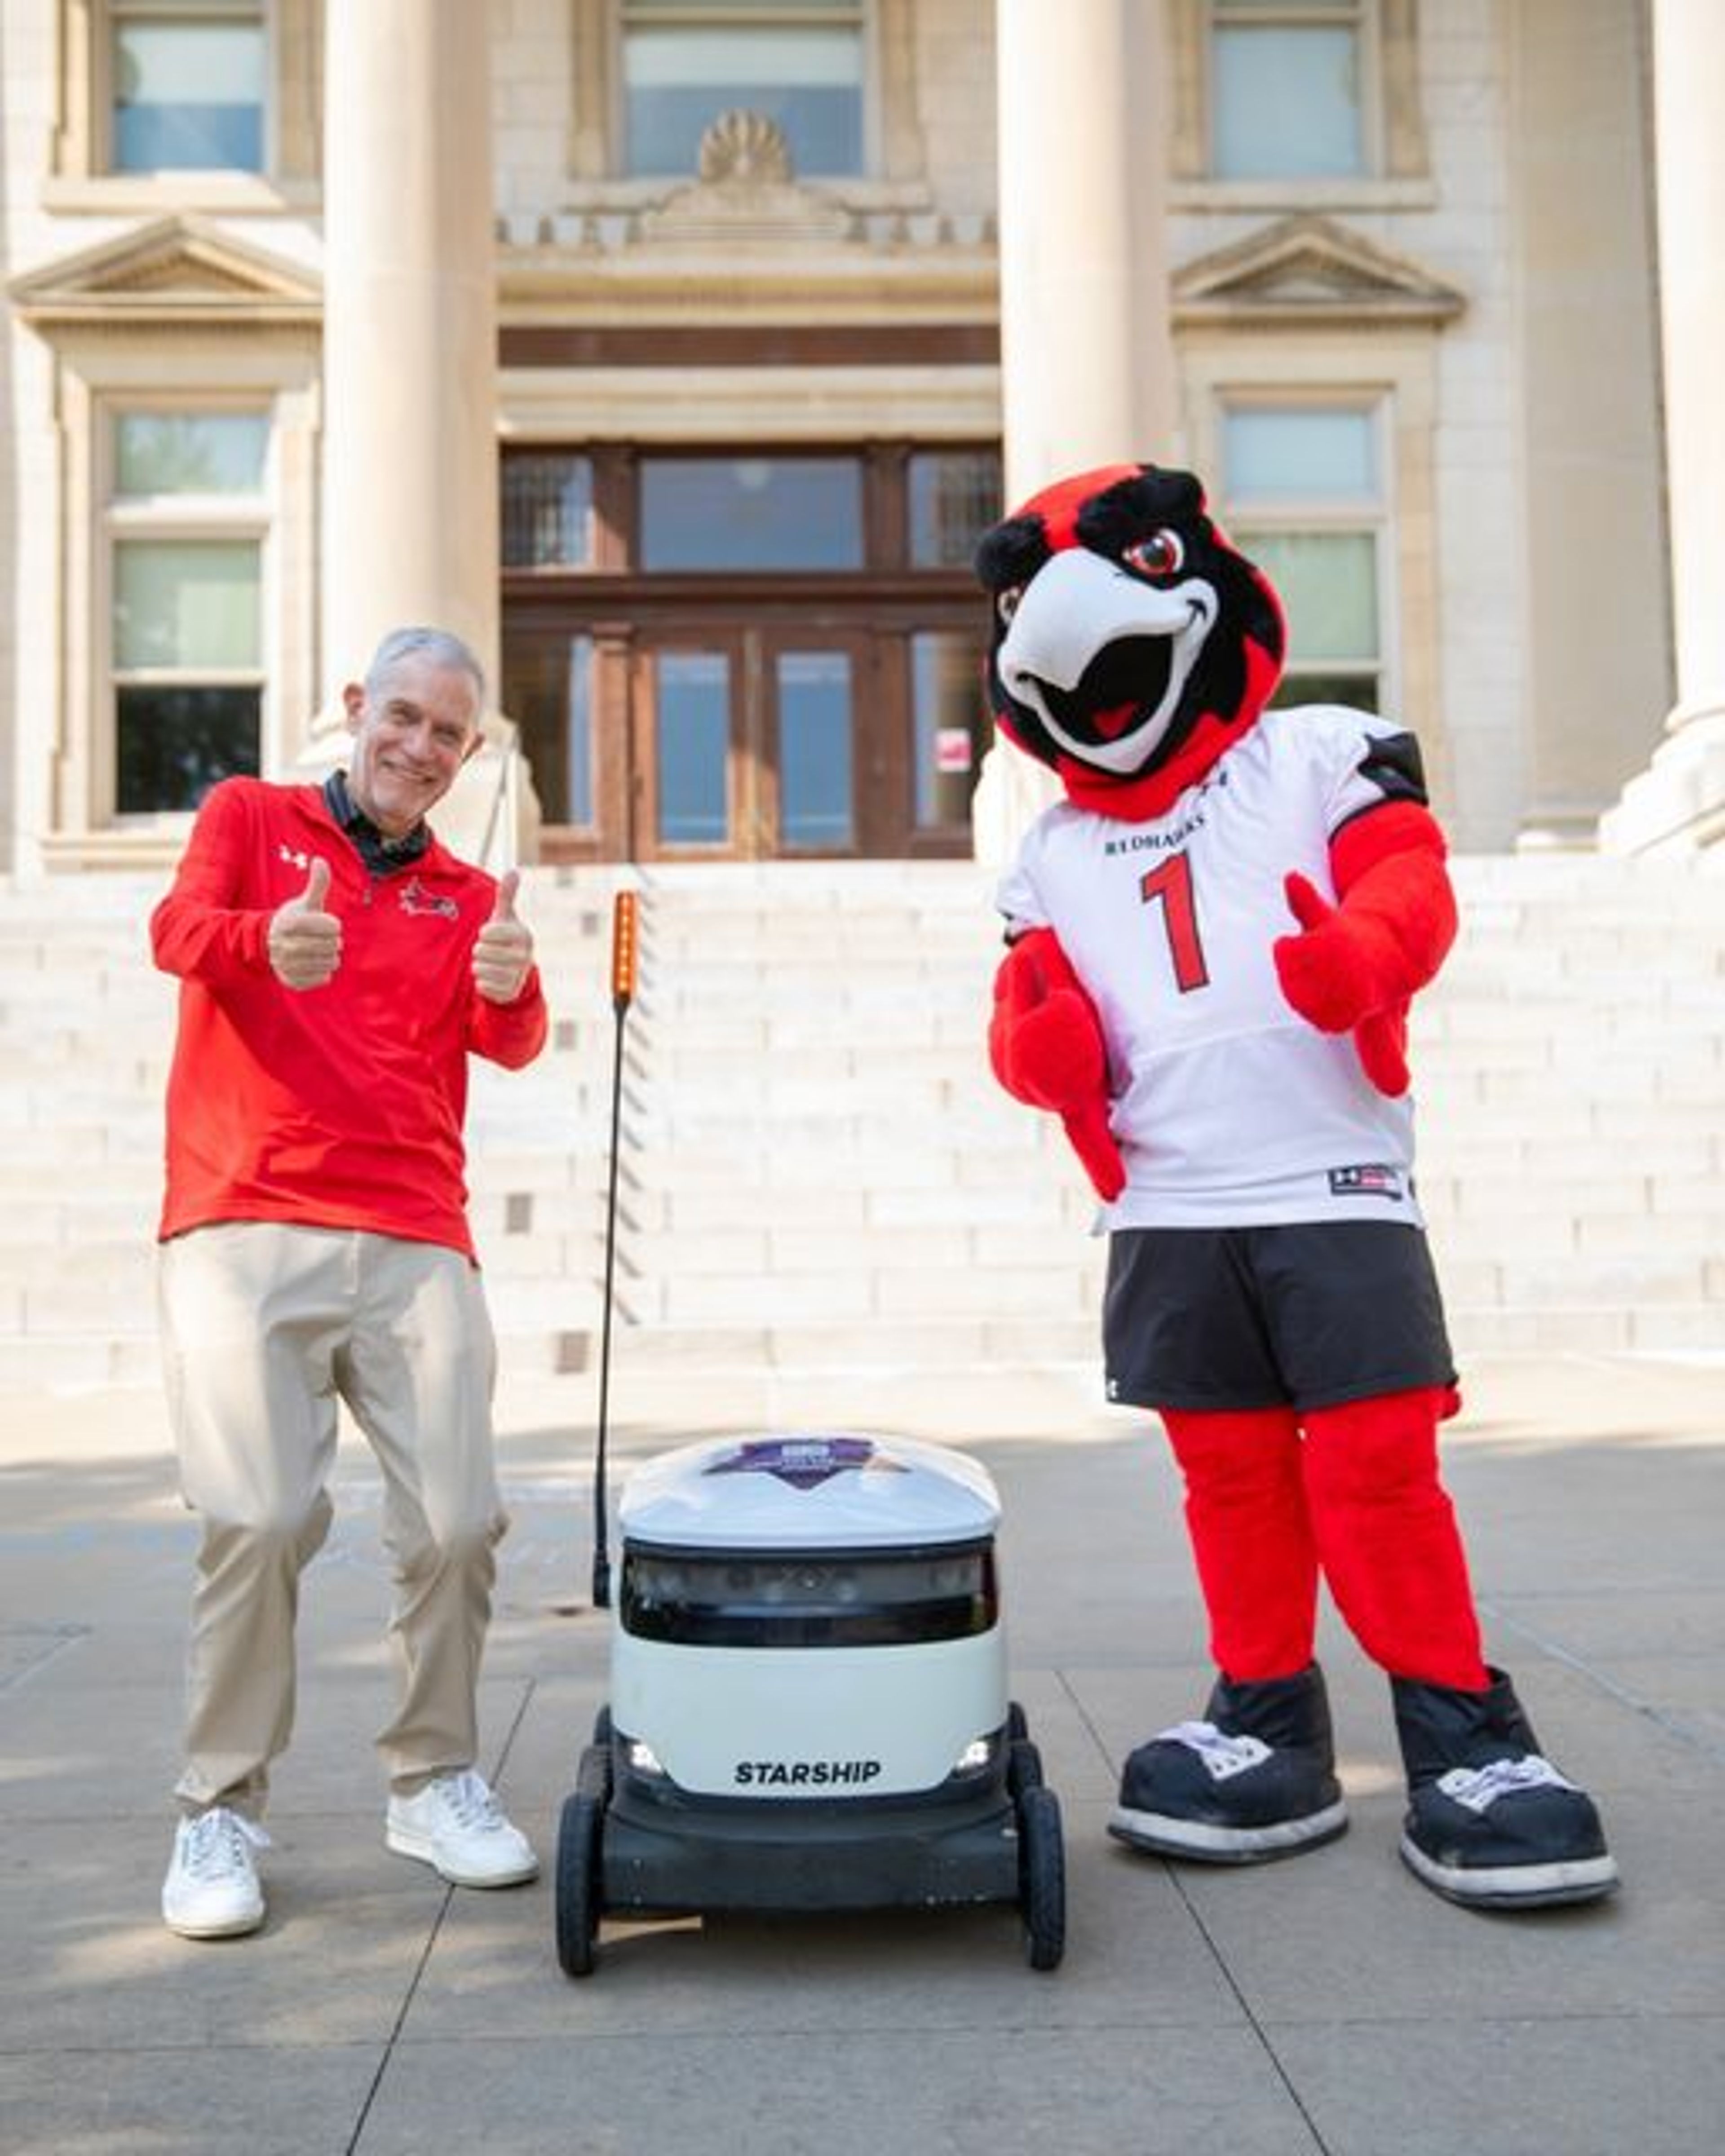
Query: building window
{"points": [[1285, 89], [817, 799], [186, 87], [692, 735], [749, 513], [954, 497], [798, 62], [1304, 496], [1276, 97], [548, 692], [949, 725], [210, 103], [767, 649], [162, 454], [548, 510], [186, 530]]}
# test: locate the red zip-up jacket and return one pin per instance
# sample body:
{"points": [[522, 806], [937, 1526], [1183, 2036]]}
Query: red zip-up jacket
{"points": [[340, 1106]]}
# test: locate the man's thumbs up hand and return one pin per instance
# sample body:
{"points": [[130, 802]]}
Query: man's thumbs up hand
{"points": [[503, 953], [305, 942]]}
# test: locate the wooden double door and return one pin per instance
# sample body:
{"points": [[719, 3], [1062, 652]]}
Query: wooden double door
{"points": [[752, 744], [729, 740]]}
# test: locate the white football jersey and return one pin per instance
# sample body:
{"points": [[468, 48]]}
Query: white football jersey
{"points": [[1229, 1109]]}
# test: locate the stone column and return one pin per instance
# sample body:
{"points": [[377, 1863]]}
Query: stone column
{"points": [[410, 520], [1678, 802], [1590, 442], [1086, 355]]}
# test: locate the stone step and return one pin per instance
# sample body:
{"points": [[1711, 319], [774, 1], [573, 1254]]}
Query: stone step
{"points": [[816, 1167]]}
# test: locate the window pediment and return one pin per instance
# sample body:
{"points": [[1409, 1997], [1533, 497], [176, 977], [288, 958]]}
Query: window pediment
{"points": [[176, 269], [1309, 268]]}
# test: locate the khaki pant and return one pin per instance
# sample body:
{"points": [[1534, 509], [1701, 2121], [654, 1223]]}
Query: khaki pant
{"points": [[264, 1327]]}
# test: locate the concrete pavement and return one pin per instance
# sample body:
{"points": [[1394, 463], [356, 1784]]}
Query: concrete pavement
{"points": [[1327, 2005]]}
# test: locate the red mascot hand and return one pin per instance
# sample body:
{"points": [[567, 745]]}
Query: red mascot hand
{"points": [[1354, 965], [1046, 1048]]}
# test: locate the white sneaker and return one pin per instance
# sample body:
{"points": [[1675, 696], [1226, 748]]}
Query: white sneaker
{"points": [[212, 1891], [456, 1825]]}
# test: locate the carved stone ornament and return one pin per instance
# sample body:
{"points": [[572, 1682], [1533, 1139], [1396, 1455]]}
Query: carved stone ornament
{"points": [[745, 146], [746, 193]]}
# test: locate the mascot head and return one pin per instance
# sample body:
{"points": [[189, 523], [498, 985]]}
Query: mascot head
{"points": [[1132, 643]]}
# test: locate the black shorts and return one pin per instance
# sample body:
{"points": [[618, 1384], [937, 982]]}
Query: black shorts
{"points": [[1310, 1314]]}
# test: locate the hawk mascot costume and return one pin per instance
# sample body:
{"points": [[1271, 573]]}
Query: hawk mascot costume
{"points": [[1212, 942]]}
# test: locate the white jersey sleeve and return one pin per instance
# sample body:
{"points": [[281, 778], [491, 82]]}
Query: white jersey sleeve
{"points": [[1368, 760]]}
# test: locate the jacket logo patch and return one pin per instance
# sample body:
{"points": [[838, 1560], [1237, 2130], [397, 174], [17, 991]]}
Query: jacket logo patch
{"points": [[1372, 1179], [416, 899], [302, 862]]}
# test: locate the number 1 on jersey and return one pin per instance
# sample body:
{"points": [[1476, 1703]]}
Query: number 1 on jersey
{"points": [[1171, 881]]}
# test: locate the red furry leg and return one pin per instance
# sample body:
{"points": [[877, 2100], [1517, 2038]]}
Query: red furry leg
{"points": [[1387, 1537], [1246, 1512]]}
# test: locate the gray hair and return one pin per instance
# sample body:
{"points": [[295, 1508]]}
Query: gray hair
{"points": [[441, 646]]}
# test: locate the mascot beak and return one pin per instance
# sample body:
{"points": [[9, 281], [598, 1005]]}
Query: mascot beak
{"points": [[1102, 657]]}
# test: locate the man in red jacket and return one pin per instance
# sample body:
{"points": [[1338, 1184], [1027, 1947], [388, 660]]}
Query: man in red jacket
{"points": [[337, 967]]}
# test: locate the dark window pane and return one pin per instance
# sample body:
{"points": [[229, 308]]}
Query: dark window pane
{"points": [[752, 513], [174, 744], [693, 748], [814, 759], [948, 724], [548, 690], [1359, 691], [547, 512], [955, 496]]}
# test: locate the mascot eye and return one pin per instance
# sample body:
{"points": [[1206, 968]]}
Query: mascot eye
{"points": [[1006, 603], [1160, 555]]}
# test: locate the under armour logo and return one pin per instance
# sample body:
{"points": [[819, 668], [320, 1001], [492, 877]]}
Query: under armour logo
{"points": [[301, 861]]}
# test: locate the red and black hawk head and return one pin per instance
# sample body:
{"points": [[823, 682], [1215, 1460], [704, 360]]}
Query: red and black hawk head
{"points": [[1131, 643]]}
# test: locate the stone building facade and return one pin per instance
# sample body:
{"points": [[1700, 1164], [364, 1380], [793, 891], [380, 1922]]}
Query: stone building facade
{"points": [[675, 352]]}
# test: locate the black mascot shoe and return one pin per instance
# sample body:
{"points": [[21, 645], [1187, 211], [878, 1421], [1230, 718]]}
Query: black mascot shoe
{"points": [[1255, 1779], [1492, 1823]]}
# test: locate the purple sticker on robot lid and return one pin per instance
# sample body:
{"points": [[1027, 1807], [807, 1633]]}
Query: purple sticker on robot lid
{"points": [[804, 1462]]}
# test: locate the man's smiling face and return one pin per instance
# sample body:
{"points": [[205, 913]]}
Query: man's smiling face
{"points": [[413, 731]]}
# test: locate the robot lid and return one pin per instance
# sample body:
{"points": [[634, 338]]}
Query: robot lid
{"points": [[808, 1490]]}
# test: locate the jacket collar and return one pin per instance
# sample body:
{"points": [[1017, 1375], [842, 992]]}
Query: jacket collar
{"points": [[381, 856]]}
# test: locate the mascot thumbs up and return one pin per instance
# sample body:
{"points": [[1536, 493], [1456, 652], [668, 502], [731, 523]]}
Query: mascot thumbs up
{"points": [[1213, 940]]}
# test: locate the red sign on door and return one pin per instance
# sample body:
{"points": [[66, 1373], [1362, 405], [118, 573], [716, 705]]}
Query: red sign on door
{"points": [[952, 748]]}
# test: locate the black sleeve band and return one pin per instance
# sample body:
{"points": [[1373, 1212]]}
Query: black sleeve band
{"points": [[1393, 764]]}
